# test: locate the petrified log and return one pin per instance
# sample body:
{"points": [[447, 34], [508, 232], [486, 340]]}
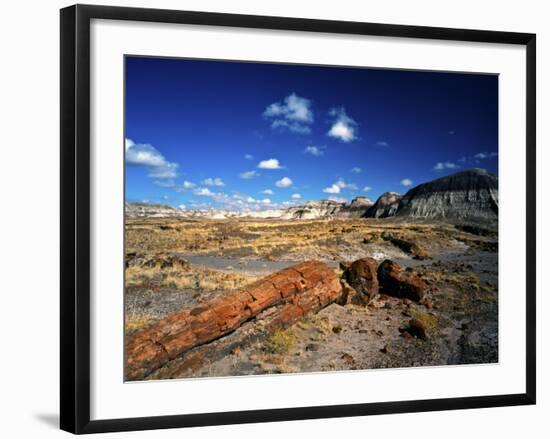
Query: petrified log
{"points": [[410, 247], [350, 295], [362, 276], [296, 290], [394, 281]]}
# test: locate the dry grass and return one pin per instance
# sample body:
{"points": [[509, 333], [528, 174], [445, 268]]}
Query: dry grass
{"points": [[319, 328], [136, 323], [276, 239], [280, 341], [429, 321], [194, 278]]}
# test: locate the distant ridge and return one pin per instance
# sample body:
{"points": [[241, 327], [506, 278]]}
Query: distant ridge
{"points": [[466, 195], [470, 194], [150, 210], [386, 205]]}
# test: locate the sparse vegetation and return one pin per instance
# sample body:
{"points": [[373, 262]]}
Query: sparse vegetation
{"points": [[462, 291], [195, 278], [428, 320], [280, 341], [135, 323], [335, 239]]}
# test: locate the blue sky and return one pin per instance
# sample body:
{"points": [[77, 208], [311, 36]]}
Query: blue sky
{"points": [[254, 136]]}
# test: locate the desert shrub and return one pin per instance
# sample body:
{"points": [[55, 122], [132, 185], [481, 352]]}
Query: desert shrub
{"points": [[281, 341], [428, 320]]}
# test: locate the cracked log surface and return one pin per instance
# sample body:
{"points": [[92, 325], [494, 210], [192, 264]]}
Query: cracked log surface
{"points": [[295, 291]]}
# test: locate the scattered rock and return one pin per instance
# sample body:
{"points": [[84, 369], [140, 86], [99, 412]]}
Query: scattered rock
{"points": [[344, 265], [348, 358], [396, 282], [386, 349], [350, 295], [337, 329], [407, 246], [312, 347], [362, 276], [160, 260]]}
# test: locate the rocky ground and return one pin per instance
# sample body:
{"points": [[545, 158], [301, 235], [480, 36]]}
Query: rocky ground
{"points": [[453, 321]]}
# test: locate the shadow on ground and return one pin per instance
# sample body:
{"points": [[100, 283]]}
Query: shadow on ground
{"points": [[49, 419]]}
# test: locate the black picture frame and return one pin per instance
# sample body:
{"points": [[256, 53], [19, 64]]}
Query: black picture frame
{"points": [[75, 217]]}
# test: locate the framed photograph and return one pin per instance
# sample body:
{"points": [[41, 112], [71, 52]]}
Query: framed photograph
{"points": [[268, 218]]}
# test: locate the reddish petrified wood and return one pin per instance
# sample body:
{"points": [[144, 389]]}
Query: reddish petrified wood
{"points": [[296, 291], [361, 275], [394, 281]]}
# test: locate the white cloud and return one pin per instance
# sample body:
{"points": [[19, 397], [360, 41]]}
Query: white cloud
{"points": [[293, 113], [356, 170], [343, 127], [185, 186], [366, 188], [248, 174], [406, 182], [441, 166], [248, 156], [224, 201], [284, 182], [267, 192], [476, 158], [335, 188], [234, 202], [213, 182], [485, 155], [296, 196], [181, 207], [270, 164], [165, 183], [168, 170], [203, 191], [382, 143], [314, 150], [128, 143], [138, 154], [200, 205]]}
